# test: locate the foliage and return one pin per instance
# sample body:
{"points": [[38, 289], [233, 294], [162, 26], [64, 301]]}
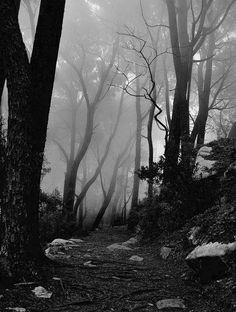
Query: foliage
{"points": [[217, 224], [156, 174], [45, 169], [185, 197], [50, 211]]}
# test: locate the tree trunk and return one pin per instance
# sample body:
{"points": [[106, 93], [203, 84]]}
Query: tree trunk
{"points": [[16, 241], [111, 189], [182, 57], [204, 90], [29, 90], [101, 162], [150, 147], [43, 67], [137, 161]]}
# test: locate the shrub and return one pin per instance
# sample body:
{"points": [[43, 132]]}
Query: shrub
{"points": [[50, 215]]}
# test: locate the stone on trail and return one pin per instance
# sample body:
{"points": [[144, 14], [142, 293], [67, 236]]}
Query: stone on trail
{"points": [[132, 241], [89, 264], [41, 292], [136, 258], [165, 252], [116, 246], [209, 261], [16, 309], [170, 303], [76, 240], [62, 242]]}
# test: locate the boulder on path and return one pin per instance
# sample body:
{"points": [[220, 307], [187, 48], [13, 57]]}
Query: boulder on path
{"points": [[65, 242], [116, 246], [136, 258], [131, 242], [165, 252], [170, 303], [16, 309], [210, 261], [41, 292], [59, 246]]}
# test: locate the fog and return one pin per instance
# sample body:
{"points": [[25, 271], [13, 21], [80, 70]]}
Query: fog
{"points": [[106, 47]]}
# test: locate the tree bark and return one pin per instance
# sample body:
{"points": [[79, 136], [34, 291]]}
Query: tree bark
{"points": [[29, 90], [204, 90], [16, 67], [42, 68], [137, 160]]}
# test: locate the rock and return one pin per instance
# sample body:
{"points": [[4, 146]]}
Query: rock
{"points": [[61, 242], [89, 264], [170, 303], [16, 309], [165, 252], [41, 292], [203, 165], [132, 241], [76, 240], [209, 261], [116, 246], [136, 258], [192, 235], [59, 246]]}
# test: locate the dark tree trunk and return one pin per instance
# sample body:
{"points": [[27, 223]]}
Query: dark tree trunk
{"points": [[16, 67], [2, 71], [43, 66], [150, 146], [29, 90], [182, 57], [204, 90], [137, 161]]}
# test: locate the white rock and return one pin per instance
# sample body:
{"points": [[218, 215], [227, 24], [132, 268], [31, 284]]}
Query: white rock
{"points": [[192, 235], [16, 309], [165, 252], [132, 241], [211, 250], [41, 292], [76, 240], [89, 264], [203, 165], [61, 242], [116, 246], [170, 303], [136, 258]]}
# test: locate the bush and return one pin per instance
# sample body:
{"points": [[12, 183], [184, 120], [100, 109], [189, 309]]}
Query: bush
{"points": [[50, 216]]}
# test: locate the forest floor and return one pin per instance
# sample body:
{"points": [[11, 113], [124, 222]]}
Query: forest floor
{"points": [[112, 282]]}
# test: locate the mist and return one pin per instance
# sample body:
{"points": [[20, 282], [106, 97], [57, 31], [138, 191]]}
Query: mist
{"points": [[115, 56]]}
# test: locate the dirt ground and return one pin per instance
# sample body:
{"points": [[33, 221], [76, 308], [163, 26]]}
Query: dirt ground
{"points": [[112, 282]]}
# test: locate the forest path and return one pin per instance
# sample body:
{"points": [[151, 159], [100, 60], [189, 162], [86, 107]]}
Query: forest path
{"points": [[92, 278]]}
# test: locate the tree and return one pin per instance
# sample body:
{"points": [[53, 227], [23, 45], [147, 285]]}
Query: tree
{"points": [[91, 105], [108, 195], [188, 30], [29, 92]]}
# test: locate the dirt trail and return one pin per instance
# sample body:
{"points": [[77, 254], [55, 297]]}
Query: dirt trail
{"points": [[111, 282]]}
